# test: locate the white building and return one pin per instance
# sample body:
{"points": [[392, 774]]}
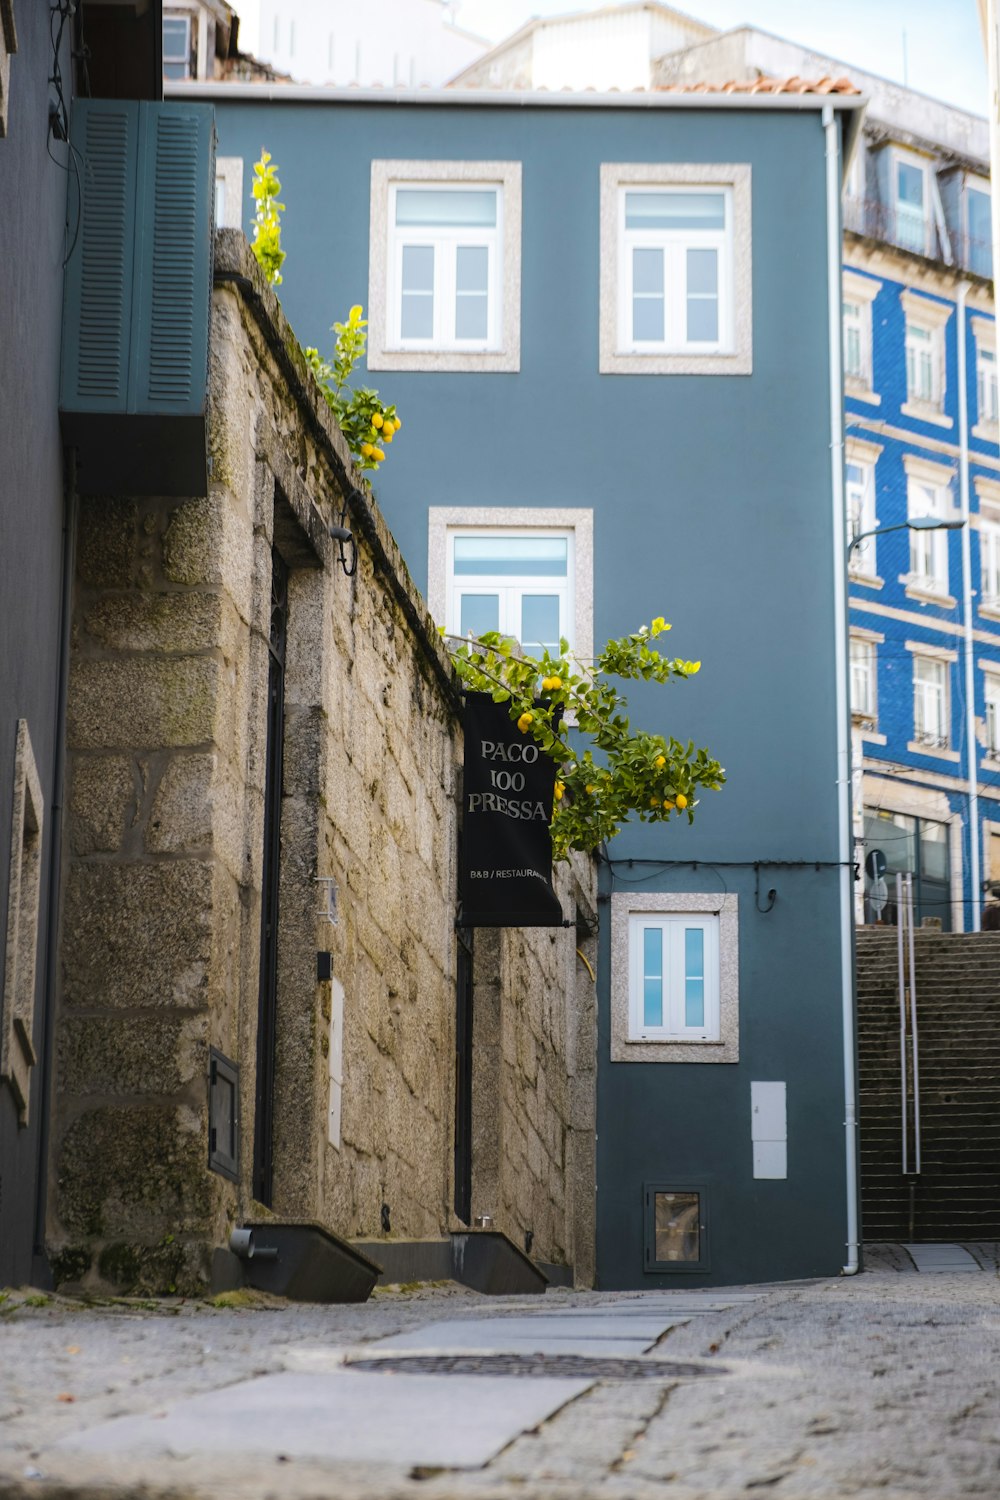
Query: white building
{"points": [[612, 48], [411, 43]]}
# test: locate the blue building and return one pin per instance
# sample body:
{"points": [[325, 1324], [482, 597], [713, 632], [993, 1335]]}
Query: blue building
{"points": [[921, 441], [581, 306]]}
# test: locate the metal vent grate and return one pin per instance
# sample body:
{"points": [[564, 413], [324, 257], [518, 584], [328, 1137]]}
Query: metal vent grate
{"points": [[566, 1366]]}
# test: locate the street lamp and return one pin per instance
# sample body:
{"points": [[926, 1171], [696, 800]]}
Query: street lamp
{"points": [[915, 523]]}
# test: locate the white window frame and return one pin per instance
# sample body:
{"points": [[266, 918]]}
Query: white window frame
{"points": [[926, 323], [173, 17], [673, 928], [991, 711], [860, 292], [447, 522], [922, 165], [510, 588], [673, 244], [859, 496], [718, 1040], [619, 354], [931, 685], [928, 493], [446, 241], [864, 676], [501, 351], [988, 420], [989, 563]]}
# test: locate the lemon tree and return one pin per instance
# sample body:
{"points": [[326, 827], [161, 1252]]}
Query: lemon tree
{"points": [[267, 219], [368, 424], [607, 772]]}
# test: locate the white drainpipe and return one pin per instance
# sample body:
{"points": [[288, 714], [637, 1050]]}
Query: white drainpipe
{"points": [[970, 673], [844, 821]]}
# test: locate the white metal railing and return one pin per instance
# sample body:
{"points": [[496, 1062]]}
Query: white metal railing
{"points": [[909, 1033]]}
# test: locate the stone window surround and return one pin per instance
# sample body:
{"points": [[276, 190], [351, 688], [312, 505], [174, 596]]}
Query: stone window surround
{"points": [[673, 903], [615, 175], [505, 359], [229, 172], [443, 518], [17, 1056], [863, 290]]}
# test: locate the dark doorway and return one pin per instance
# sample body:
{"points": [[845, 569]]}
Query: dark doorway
{"points": [[263, 1144], [463, 1077]]}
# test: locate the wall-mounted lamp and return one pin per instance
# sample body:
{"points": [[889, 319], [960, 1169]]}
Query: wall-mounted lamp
{"points": [[329, 892], [344, 537]]}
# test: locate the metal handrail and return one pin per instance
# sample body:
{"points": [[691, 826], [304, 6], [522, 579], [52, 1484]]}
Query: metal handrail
{"points": [[904, 1110], [914, 1032]]}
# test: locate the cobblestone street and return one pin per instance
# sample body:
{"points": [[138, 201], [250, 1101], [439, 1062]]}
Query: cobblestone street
{"points": [[881, 1385]]}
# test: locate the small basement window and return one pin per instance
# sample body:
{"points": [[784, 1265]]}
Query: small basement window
{"points": [[676, 1227], [224, 1116]]}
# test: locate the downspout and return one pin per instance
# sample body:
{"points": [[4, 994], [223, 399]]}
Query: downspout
{"points": [[833, 263], [970, 673]]}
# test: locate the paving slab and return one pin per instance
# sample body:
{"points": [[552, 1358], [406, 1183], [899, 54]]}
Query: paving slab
{"points": [[432, 1420], [541, 1335], [940, 1258]]}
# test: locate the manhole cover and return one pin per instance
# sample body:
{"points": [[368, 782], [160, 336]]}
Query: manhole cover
{"points": [[568, 1366]]}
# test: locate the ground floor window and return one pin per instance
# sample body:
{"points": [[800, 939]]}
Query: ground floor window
{"points": [[909, 845], [676, 1226]]}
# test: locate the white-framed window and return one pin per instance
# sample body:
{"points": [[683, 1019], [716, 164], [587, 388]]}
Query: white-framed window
{"points": [[978, 226], [176, 46], [859, 480], [928, 549], [675, 249], [674, 987], [991, 684], [987, 406], [926, 322], [859, 294], [911, 203], [930, 701], [444, 276], [989, 558], [519, 583], [523, 571], [864, 678], [923, 364], [675, 254]]}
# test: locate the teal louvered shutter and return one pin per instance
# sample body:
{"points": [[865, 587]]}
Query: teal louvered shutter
{"points": [[176, 201], [97, 327]]}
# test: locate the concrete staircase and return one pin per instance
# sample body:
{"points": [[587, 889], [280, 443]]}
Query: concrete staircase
{"points": [[957, 1195]]}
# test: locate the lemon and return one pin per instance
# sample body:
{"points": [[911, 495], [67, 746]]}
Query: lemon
{"points": [[591, 790], [551, 684], [559, 789], [524, 721], [378, 454], [397, 422], [367, 450], [668, 807], [654, 801], [660, 762], [377, 419], [681, 801], [387, 433]]}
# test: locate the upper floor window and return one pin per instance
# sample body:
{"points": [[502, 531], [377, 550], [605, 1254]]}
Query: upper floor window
{"points": [[992, 706], [928, 549], [524, 572], [926, 321], [859, 479], [863, 678], [444, 276], [978, 229], [675, 294], [673, 977], [987, 409], [930, 701], [859, 294], [910, 204], [989, 553], [177, 47]]}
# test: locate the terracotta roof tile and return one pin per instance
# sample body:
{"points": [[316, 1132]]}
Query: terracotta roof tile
{"points": [[824, 85]]}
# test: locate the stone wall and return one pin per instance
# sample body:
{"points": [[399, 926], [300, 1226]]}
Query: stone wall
{"points": [[161, 941]]}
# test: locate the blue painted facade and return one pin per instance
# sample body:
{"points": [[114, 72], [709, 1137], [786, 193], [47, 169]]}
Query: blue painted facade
{"points": [[904, 778], [712, 505]]}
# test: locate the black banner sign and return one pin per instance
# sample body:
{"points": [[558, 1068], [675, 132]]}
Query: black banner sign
{"points": [[505, 878]]}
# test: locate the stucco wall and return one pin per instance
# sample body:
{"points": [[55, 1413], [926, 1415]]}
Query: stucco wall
{"points": [[162, 931]]}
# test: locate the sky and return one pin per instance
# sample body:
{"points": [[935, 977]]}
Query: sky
{"points": [[934, 46]]}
